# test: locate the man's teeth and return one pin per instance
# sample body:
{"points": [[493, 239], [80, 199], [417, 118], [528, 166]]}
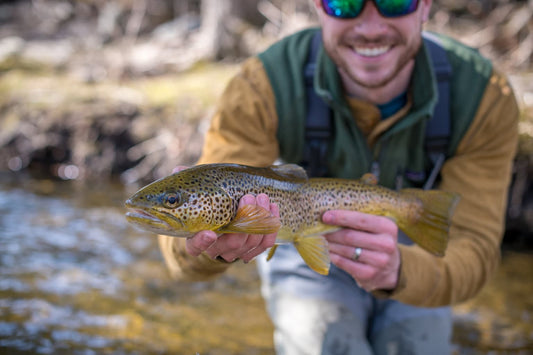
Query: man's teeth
{"points": [[371, 52]]}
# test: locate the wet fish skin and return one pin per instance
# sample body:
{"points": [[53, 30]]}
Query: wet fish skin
{"points": [[206, 197]]}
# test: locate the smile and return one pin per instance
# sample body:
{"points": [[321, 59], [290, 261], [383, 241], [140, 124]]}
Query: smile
{"points": [[371, 52]]}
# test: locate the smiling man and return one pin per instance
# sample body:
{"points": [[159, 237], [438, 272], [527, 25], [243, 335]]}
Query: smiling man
{"points": [[384, 92]]}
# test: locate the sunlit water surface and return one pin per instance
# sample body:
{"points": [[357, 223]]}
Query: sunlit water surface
{"points": [[75, 278]]}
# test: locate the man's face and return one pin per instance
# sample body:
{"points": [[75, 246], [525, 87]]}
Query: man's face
{"points": [[371, 50]]}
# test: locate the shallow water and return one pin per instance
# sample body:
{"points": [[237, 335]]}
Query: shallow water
{"points": [[75, 278]]}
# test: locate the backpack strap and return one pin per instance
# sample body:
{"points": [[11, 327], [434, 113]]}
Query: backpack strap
{"points": [[318, 128], [438, 128]]}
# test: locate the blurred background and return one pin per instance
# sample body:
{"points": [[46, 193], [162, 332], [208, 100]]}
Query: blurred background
{"points": [[100, 97]]}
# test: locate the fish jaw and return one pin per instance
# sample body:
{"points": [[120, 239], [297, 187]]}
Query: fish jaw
{"points": [[155, 221]]}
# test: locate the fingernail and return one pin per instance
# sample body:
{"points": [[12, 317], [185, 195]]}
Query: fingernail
{"points": [[327, 217], [262, 199], [247, 199], [247, 261], [208, 238]]}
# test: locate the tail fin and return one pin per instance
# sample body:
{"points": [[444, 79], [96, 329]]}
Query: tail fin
{"points": [[430, 228]]}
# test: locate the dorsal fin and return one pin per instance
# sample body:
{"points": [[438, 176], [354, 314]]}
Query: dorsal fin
{"points": [[291, 171], [369, 179]]}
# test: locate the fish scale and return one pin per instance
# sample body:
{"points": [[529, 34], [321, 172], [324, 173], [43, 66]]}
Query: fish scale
{"points": [[206, 197]]}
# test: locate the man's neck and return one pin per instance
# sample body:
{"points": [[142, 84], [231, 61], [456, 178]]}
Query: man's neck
{"points": [[382, 94]]}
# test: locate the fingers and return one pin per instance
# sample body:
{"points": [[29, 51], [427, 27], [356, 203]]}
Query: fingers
{"points": [[373, 269], [362, 273], [357, 229], [200, 242], [230, 246], [359, 221], [245, 246], [384, 242], [267, 241], [369, 257], [234, 246], [378, 263]]}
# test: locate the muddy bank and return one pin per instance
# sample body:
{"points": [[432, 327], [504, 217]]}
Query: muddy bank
{"points": [[58, 125]]}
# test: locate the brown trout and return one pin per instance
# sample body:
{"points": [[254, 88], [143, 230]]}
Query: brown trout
{"points": [[206, 197]]}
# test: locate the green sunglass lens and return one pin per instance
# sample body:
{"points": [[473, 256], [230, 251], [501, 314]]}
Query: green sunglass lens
{"points": [[343, 8], [395, 8], [352, 8]]}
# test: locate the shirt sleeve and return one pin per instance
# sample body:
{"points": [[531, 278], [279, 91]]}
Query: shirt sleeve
{"points": [[244, 128], [243, 131], [480, 172]]}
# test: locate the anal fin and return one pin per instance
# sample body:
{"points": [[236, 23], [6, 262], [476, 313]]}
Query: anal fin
{"points": [[314, 250]]}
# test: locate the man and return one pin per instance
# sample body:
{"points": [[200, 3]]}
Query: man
{"points": [[381, 297]]}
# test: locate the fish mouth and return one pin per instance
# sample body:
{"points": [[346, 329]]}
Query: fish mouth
{"points": [[136, 214], [147, 221], [151, 222]]}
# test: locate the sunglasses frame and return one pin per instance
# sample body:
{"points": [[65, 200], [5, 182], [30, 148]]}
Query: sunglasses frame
{"points": [[380, 11]]}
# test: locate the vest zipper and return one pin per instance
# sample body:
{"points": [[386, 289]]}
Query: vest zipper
{"points": [[376, 159]]}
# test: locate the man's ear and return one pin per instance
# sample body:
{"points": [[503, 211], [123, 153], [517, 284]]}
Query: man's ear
{"points": [[426, 9]]}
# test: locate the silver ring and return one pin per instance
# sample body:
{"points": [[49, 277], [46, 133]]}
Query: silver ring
{"points": [[357, 254]]}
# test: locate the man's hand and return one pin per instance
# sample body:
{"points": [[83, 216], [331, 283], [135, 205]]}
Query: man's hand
{"points": [[378, 263], [233, 246]]}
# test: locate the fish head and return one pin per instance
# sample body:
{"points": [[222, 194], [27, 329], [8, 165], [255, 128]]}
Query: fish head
{"points": [[180, 205]]}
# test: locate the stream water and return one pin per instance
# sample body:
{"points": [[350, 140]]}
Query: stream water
{"points": [[75, 278]]}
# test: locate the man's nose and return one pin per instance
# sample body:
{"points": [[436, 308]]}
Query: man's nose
{"points": [[370, 22]]}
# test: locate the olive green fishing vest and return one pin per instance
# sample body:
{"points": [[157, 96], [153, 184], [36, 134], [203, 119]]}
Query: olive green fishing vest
{"points": [[400, 151]]}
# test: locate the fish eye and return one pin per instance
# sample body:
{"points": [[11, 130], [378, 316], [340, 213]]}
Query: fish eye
{"points": [[172, 200]]}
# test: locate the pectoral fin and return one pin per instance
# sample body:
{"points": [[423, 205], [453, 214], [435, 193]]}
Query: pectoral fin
{"points": [[252, 219], [314, 251]]}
